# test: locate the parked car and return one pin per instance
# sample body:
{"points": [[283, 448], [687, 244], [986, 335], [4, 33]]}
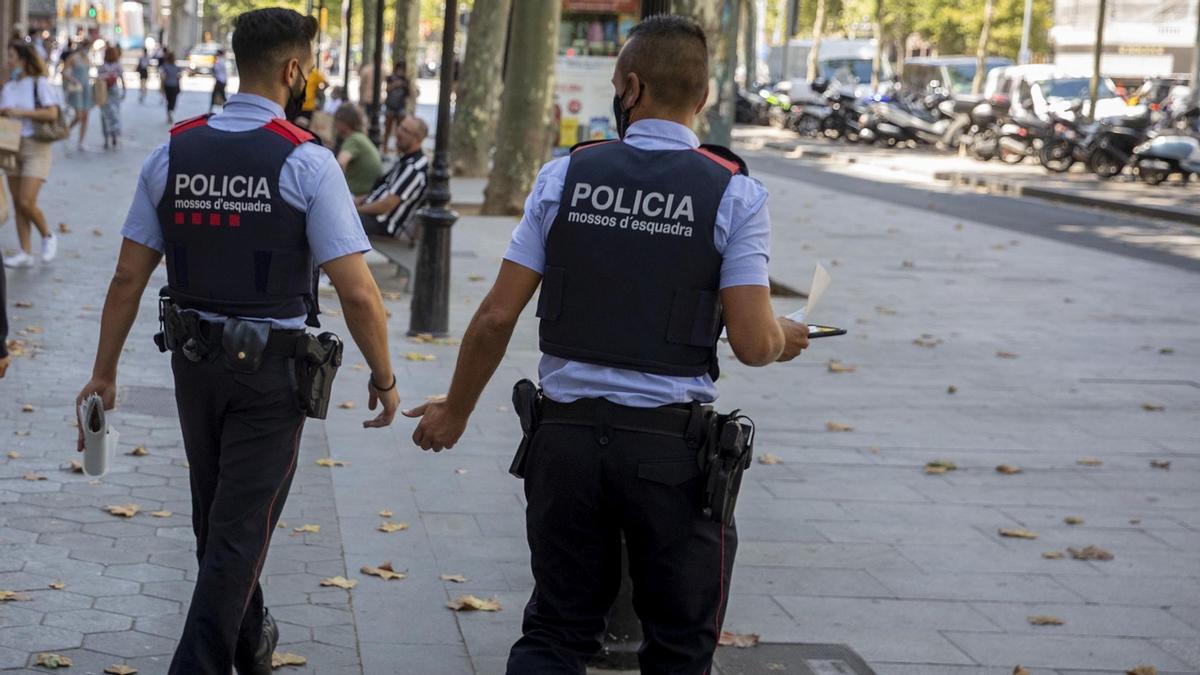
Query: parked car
{"points": [[202, 57], [952, 74]]}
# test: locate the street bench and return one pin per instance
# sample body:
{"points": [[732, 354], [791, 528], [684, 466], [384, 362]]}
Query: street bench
{"points": [[401, 252]]}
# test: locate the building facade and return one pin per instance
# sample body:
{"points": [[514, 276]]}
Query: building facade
{"points": [[1142, 38]]}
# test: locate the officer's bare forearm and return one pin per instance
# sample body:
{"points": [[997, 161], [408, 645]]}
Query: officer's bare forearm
{"points": [[134, 266], [483, 347], [367, 320]]}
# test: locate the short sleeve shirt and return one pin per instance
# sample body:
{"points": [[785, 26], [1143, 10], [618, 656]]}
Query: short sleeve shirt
{"points": [[365, 166]]}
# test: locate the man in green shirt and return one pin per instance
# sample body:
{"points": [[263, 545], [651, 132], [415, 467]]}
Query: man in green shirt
{"points": [[358, 156]]}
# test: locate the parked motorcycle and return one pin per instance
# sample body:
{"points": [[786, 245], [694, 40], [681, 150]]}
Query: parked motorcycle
{"points": [[1022, 136], [1111, 146], [1067, 144], [1156, 159]]}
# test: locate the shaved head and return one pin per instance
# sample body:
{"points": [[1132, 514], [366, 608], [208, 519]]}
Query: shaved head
{"points": [[669, 54]]}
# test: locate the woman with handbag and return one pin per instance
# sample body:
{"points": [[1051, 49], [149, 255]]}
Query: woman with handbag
{"points": [[30, 98], [111, 78], [76, 75]]}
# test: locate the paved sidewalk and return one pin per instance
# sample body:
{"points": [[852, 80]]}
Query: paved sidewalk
{"points": [[845, 540]]}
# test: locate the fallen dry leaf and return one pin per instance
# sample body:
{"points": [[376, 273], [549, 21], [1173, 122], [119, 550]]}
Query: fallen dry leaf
{"points": [[461, 471], [952, 389], [1135, 521], [456, 578], [1052, 555], [123, 510], [27, 408], [885, 311], [33, 476], [874, 450], [907, 263], [429, 339], [1090, 553], [940, 466], [339, 581], [98, 232], [838, 426], [281, 525], [13, 454], [329, 461], [1089, 461], [346, 405], [1018, 533], [22, 304], [1142, 670], [75, 466], [1152, 407], [139, 451], [1073, 520], [417, 356], [307, 529], [1045, 620], [1166, 350], [161, 514], [927, 340], [836, 366], [57, 585], [47, 660], [64, 228], [475, 277], [385, 514], [281, 659], [768, 458], [120, 669], [1008, 469], [1160, 464], [389, 526], [1005, 355], [12, 596], [739, 640], [466, 603], [1021, 670], [384, 572]]}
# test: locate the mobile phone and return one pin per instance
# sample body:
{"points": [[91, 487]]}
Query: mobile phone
{"points": [[818, 331]]}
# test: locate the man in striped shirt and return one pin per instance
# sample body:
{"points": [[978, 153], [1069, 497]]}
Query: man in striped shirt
{"points": [[389, 207]]}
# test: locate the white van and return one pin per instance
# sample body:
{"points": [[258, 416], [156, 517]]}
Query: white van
{"points": [[1046, 88], [846, 61]]}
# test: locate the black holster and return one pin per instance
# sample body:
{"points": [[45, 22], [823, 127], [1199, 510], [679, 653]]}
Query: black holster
{"points": [[725, 456], [180, 332], [316, 363], [526, 398]]}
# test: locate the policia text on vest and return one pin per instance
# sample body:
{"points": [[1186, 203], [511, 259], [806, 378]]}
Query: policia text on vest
{"points": [[610, 208], [236, 193]]}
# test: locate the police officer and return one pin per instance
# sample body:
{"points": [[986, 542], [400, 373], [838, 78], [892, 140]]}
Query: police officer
{"points": [[244, 208], [642, 247]]}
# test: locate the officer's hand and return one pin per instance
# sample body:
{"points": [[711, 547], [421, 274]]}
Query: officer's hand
{"points": [[795, 339], [390, 400], [107, 389], [439, 428], [4, 361]]}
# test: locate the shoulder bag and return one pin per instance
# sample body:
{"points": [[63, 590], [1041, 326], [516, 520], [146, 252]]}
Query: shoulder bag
{"points": [[48, 131]]}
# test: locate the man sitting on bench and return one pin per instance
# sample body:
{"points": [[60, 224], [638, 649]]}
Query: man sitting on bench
{"points": [[388, 208]]}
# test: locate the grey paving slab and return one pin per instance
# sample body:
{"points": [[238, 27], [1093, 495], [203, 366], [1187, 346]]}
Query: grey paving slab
{"points": [[1081, 619], [1064, 651]]}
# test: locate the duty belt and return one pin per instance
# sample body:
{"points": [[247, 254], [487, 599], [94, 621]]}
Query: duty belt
{"points": [[681, 420]]}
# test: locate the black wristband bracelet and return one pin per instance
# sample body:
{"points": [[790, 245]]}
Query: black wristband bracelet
{"points": [[380, 389]]}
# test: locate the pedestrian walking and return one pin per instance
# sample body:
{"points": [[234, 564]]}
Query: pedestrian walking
{"points": [[143, 71], [644, 247], [357, 155], [240, 291], [113, 78], [168, 78], [220, 76], [29, 97], [395, 103], [5, 357], [77, 82]]}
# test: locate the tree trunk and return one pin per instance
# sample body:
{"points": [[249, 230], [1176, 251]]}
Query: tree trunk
{"points": [[368, 33], [523, 132], [707, 13], [404, 43], [750, 41], [720, 113], [877, 59], [981, 52], [473, 132], [814, 53]]}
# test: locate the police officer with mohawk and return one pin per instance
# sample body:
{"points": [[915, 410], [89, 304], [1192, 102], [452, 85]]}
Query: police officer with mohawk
{"points": [[245, 209], [644, 248]]}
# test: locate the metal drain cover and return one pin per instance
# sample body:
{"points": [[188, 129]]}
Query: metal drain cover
{"points": [[792, 659]]}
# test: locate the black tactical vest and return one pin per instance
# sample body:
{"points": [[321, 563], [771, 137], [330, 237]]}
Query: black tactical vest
{"points": [[233, 245], [632, 275]]}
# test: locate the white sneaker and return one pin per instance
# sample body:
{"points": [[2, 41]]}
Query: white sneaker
{"points": [[49, 248], [21, 259]]}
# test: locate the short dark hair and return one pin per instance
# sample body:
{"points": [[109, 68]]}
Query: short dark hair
{"points": [[670, 54], [264, 39], [349, 114]]}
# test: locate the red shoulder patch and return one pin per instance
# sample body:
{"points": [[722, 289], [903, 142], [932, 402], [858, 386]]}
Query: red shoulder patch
{"points": [[729, 165], [293, 133], [198, 121], [591, 144]]}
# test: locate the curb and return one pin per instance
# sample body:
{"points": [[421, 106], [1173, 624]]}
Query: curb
{"points": [[1010, 187]]}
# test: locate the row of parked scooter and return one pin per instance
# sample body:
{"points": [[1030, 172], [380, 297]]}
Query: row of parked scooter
{"points": [[1151, 144]]}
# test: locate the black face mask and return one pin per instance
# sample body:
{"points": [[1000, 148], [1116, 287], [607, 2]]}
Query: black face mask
{"points": [[622, 114], [295, 101]]}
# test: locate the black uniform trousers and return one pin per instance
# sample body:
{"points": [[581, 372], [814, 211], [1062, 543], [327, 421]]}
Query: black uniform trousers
{"points": [[585, 485], [242, 436]]}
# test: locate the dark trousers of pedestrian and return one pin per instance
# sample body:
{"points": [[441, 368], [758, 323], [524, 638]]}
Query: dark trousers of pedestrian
{"points": [[585, 486], [242, 435], [171, 93], [218, 95]]}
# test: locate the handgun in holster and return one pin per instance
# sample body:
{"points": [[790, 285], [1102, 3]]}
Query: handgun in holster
{"points": [[729, 451], [179, 332], [526, 398], [317, 361]]}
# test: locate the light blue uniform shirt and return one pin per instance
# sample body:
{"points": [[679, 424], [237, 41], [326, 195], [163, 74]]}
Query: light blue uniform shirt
{"points": [[310, 181], [742, 236]]}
